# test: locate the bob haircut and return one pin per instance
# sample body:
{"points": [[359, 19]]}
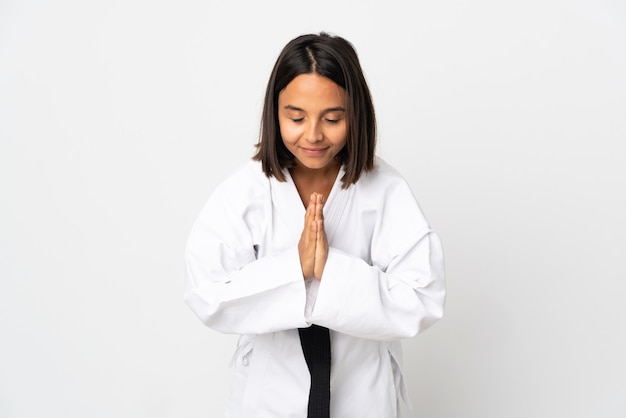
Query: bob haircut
{"points": [[335, 58]]}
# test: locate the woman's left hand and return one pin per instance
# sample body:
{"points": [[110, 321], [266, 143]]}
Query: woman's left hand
{"points": [[313, 245], [321, 241]]}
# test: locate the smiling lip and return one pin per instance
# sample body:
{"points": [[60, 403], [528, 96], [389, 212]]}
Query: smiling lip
{"points": [[314, 152]]}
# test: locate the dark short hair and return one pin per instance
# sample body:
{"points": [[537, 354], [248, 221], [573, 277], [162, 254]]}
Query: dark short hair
{"points": [[335, 58]]}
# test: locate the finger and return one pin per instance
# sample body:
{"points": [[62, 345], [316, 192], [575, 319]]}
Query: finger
{"points": [[310, 206], [306, 249], [320, 199], [309, 216], [320, 236], [319, 207], [313, 233], [321, 251], [306, 246]]}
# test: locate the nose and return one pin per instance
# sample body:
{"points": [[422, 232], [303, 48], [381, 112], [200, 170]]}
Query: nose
{"points": [[314, 132]]}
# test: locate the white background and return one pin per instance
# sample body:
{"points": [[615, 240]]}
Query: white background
{"points": [[118, 118]]}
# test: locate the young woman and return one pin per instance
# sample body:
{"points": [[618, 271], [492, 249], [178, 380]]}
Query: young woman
{"points": [[316, 251]]}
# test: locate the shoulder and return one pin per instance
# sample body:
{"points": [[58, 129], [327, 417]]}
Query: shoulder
{"points": [[248, 175], [244, 184], [384, 177], [386, 190]]}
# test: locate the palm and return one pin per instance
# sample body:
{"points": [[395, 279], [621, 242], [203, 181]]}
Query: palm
{"points": [[313, 245]]}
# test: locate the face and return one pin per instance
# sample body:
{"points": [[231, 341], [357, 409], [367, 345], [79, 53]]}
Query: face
{"points": [[312, 119]]}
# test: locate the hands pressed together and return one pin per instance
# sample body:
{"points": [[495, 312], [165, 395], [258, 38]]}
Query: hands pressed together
{"points": [[313, 245]]}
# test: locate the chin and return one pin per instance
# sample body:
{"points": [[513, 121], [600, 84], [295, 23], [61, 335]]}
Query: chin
{"points": [[316, 164]]}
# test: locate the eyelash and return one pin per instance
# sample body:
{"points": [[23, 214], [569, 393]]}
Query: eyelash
{"points": [[331, 121]]}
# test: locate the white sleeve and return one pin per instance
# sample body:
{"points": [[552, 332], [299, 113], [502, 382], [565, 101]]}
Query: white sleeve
{"points": [[400, 294], [358, 299], [231, 290]]}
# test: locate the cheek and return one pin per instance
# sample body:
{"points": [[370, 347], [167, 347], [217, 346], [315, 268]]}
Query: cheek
{"points": [[288, 133], [340, 136]]}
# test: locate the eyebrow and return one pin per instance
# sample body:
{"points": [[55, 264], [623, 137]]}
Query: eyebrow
{"points": [[330, 109]]}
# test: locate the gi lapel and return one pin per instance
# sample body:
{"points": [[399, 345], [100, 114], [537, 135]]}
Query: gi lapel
{"points": [[286, 200], [335, 206]]}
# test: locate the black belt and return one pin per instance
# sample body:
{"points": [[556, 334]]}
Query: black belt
{"points": [[315, 342]]}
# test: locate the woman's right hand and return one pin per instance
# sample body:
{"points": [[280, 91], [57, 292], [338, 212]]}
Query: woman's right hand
{"points": [[313, 245]]}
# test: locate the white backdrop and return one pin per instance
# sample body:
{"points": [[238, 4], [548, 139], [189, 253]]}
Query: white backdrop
{"points": [[117, 119]]}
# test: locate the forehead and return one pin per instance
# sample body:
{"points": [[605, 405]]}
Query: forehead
{"points": [[312, 91]]}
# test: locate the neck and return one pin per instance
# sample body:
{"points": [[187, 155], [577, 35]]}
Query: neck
{"points": [[316, 174], [309, 181]]}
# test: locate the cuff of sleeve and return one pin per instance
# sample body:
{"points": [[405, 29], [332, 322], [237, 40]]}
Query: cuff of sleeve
{"points": [[299, 300], [279, 280], [332, 289], [312, 289]]}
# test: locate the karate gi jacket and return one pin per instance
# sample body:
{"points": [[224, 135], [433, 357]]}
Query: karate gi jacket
{"points": [[383, 281]]}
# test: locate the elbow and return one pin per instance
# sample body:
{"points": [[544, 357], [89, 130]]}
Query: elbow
{"points": [[421, 324], [432, 305], [425, 315], [198, 307]]}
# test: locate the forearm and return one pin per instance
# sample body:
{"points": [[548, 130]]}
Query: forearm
{"points": [[265, 295], [362, 300]]}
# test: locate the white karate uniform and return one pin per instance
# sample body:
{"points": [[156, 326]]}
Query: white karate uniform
{"points": [[383, 281]]}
